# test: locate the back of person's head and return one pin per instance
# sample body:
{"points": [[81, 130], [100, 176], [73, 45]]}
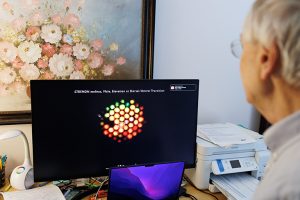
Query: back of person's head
{"points": [[277, 21]]}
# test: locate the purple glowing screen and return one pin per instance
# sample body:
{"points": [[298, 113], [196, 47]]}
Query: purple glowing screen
{"points": [[155, 182]]}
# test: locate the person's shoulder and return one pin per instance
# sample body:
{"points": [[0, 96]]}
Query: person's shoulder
{"points": [[287, 164], [282, 181]]}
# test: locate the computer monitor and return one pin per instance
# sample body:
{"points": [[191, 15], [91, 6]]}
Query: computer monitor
{"points": [[80, 128]]}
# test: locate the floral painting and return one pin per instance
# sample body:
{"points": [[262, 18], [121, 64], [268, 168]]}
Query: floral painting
{"points": [[66, 39]]}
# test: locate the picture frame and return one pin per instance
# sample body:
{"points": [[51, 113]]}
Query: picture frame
{"points": [[70, 39]]}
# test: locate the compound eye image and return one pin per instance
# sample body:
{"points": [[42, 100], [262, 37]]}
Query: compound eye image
{"points": [[123, 120]]}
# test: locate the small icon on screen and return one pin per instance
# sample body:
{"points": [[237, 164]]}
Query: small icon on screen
{"points": [[183, 87]]}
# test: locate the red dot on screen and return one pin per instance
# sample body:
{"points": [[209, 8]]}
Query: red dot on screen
{"points": [[105, 132]]}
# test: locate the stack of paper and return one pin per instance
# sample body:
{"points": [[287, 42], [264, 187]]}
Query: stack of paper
{"points": [[226, 134], [239, 186], [49, 192]]}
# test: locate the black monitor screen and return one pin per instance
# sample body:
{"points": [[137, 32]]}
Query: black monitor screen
{"points": [[80, 128]]}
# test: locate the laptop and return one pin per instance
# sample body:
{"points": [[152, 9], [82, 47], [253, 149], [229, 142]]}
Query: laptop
{"points": [[144, 182]]}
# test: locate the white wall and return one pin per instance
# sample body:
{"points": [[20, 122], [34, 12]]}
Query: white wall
{"points": [[192, 40]]}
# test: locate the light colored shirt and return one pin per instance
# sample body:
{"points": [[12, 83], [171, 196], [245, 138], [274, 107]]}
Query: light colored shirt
{"points": [[282, 175]]}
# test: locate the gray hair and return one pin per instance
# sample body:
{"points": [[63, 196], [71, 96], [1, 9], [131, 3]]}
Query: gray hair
{"points": [[277, 21]]}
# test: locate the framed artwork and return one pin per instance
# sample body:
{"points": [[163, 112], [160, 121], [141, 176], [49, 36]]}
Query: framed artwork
{"points": [[70, 39]]}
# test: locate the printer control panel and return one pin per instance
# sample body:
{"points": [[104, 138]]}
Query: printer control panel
{"points": [[227, 166]]}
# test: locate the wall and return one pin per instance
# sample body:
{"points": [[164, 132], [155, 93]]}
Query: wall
{"points": [[192, 40]]}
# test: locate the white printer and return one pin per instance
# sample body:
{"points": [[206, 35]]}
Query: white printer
{"points": [[236, 158]]}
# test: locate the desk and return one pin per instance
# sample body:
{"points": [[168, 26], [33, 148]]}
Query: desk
{"points": [[201, 195], [190, 190], [193, 191]]}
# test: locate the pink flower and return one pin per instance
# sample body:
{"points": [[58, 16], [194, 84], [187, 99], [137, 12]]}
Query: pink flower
{"points": [[37, 18], [107, 70], [121, 60], [7, 6], [42, 64], [66, 49], [56, 19], [47, 76], [17, 63], [95, 60], [78, 65], [18, 24], [97, 44], [71, 20], [32, 33], [48, 50]]}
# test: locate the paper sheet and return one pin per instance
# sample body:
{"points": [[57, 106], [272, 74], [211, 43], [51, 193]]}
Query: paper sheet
{"points": [[238, 186], [225, 134], [49, 192]]}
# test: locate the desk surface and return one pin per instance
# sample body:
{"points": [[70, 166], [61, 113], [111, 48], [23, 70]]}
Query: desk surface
{"points": [[193, 191], [200, 195]]}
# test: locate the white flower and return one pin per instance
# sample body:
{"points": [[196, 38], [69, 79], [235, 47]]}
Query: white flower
{"points": [[7, 75], [8, 52], [51, 33], [61, 65], [114, 46], [29, 72], [107, 70], [81, 51], [29, 52], [21, 38], [77, 75]]}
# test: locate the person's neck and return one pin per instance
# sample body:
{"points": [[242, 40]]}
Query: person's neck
{"points": [[284, 101]]}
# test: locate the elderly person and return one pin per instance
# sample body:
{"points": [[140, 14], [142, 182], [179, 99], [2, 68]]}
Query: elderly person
{"points": [[270, 70]]}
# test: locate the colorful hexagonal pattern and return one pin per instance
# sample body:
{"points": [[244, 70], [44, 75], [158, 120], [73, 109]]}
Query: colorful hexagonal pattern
{"points": [[123, 120]]}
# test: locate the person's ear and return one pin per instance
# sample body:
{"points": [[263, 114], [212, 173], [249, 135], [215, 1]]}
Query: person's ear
{"points": [[269, 58]]}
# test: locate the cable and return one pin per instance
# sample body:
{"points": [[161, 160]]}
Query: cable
{"points": [[91, 183], [189, 196], [64, 185], [101, 184], [208, 193], [84, 193], [192, 184]]}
